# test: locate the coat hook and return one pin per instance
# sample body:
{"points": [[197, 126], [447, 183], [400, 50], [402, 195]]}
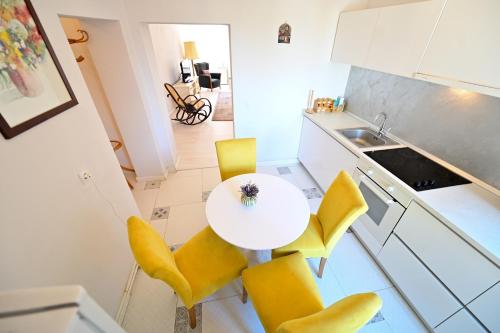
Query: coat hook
{"points": [[80, 59], [84, 37]]}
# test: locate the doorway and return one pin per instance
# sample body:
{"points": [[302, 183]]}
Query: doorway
{"points": [[181, 50], [78, 38]]}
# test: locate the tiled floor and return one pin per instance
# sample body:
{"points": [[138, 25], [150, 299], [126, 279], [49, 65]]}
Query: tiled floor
{"points": [[153, 305], [195, 144]]}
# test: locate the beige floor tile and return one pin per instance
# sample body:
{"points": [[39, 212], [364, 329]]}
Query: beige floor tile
{"points": [[180, 188], [152, 306], [210, 178], [184, 222], [145, 200]]}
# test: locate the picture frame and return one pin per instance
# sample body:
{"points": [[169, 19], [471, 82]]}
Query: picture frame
{"points": [[33, 86]]}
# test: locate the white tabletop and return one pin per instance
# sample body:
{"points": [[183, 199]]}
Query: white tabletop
{"points": [[280, 216]]}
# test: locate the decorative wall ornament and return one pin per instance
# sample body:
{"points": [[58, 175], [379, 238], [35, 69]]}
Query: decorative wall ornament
{"points": [[284, 33], [33, 87]]}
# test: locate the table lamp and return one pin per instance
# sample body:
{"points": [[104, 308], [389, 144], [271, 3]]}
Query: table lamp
{"points": [[190, 52]]}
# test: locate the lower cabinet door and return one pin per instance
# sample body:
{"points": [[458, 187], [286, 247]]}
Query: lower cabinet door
{"points": [[425, 292], [487, 308], [460, 322]]}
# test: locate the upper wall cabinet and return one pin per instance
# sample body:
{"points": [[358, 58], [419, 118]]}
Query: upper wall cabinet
{"points": [[464, 50], [390, 39], [401, 35], [354, 35]]}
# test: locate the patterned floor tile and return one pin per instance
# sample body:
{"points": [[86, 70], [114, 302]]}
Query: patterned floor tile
{"points": [[284, 170], [182, 320], [160, 213], [205, 195], [152, 185], [312, 193]]}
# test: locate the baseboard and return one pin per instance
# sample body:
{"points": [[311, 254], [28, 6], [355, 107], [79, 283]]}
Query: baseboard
{"points": [[122, 309], [293, 161], [151, 178]]}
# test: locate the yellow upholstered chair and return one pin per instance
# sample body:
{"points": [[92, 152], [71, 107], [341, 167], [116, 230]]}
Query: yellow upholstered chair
{"points": [[342, 204], [196, 270], [236, 157], [287, 300]]}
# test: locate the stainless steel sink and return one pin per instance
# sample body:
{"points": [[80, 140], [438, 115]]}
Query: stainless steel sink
{"points": [[364, 137]]}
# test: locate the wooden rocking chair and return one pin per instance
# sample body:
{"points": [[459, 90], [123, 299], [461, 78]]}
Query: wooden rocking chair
{"points": [[191, 110]]}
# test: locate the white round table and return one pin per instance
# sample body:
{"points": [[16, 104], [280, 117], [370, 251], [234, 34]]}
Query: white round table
{"points": [[279, 217]]}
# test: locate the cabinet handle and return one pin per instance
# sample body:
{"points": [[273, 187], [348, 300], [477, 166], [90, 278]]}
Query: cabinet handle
{"points": [[456, 80]]}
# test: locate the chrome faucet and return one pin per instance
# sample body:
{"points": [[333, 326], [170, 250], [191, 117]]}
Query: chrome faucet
{"points": [[382, 130]]}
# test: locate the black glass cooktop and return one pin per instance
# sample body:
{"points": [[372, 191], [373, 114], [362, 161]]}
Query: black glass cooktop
{"points": [[415, 169]]}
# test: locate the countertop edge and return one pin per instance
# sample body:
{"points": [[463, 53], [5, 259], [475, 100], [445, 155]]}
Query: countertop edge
{"points": [[359, 153]]}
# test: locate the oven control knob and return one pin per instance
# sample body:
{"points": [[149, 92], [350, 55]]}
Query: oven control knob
{"points": [[369, 172], [390, 189]]}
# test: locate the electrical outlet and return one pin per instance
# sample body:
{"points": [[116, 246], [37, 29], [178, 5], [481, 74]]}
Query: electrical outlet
{"points": [[85, 176]]}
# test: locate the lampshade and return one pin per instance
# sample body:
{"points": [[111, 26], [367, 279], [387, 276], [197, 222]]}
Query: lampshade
{"points": [[190, 51]]}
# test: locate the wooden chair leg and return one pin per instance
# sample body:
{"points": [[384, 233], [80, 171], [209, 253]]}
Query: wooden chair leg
{"points": [[244, 296], [321, 267], [192, 317]]}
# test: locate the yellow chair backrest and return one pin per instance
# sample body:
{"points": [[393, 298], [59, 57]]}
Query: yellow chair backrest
{"points": [[236, 157], [347, 316], [155, 258], [342, 205]]}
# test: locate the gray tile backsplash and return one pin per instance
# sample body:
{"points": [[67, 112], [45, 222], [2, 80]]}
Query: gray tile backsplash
{"points": [[460, 127]]}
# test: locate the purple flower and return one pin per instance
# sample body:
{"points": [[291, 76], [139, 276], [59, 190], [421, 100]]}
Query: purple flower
{"points": [[250, 190]]}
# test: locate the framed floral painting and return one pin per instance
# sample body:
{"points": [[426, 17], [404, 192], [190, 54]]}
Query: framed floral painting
{"points": [[33, 87]]}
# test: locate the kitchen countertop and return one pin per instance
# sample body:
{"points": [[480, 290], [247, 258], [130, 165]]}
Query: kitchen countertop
{"points": [[470, 210]]}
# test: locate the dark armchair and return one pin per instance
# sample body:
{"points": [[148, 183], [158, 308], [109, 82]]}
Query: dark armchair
{"points": [[207, 79]]}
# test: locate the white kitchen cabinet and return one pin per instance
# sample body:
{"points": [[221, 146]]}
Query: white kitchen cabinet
{"points": [[464, 50], [460, 322], [428, 296], [322, 155], [465, 271], [353, 36], [486, 308], [401, 35]]}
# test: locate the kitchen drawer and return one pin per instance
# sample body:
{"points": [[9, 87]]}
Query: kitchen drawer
{"points": [[465, 271], [428, 296], [487, 308], [460, 322]]}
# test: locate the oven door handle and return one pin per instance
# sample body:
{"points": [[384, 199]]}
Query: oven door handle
{"points": [[374, 188]]}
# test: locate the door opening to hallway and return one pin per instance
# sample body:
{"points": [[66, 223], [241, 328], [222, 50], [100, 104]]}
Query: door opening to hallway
{"points": [[195, 60]]}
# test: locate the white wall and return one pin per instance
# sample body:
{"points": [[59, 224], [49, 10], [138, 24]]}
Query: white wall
{"points": [[91, 77], [55, 230], [270, 80], [168, 51]]}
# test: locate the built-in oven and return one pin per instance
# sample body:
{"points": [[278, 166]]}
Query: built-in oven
{"points": [[374, 227]]}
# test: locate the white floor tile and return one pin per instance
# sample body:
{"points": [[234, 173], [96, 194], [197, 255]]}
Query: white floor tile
{"points": [[210, 178], [267, 169], [302, 177], [398, 314], [145, 200], [314, 204], [329, 287], [160, 226], [152, 306], [184, 222], [180, 188], [230, 315], [355, 270]]}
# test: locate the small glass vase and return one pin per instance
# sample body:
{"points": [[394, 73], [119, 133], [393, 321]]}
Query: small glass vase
{"points": [[248, 201]]}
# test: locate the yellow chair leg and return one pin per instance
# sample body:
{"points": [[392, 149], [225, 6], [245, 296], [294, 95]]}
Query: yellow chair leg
{"points": [[192, 317], [322, 264]]}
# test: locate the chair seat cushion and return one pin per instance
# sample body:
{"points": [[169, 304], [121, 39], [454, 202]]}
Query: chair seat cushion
{"points": [[310, 243], [281, 290], [209, 263]]}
